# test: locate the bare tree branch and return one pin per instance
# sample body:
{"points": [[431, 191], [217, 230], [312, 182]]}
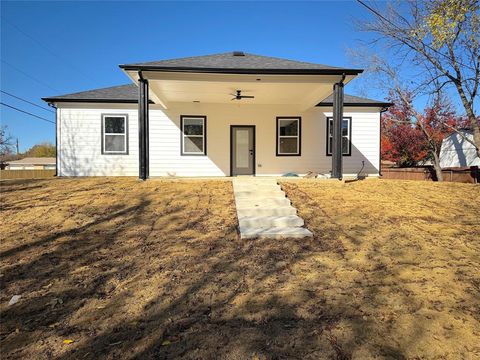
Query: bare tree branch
{"points": [[441, 36]]}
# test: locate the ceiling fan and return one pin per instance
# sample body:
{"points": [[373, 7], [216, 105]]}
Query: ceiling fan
{"points": [[239, 96]]}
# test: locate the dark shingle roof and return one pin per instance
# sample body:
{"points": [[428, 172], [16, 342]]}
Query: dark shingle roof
{"points": [[129, 94], [123, 94], [246, 63], [350, 100]]}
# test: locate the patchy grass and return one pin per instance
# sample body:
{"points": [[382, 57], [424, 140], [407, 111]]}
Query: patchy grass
{"points": [[155, 269], [405, 278]]}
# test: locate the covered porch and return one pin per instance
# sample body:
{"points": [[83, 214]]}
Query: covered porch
{"points": [[241, 94]]}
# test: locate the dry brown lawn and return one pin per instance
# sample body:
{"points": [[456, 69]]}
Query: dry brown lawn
{"points": [[153, 270]]}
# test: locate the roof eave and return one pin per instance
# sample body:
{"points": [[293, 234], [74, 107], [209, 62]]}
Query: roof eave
{"points": [[115, 101], [377, 104], [124, 101], [242, 70]]}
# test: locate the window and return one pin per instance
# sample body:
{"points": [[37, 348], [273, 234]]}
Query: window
{"points": [[346, 136], [288, 136], [114, 134], [194, 138]]}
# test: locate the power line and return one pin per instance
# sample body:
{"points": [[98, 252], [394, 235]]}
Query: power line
{"points": [[61, 58], [29, 102], [30, 76], [398, 28], [26, 112]]}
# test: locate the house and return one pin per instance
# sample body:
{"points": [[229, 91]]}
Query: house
{"points": [[385, 164], [220, 115], [32, 163], [456, 151]]}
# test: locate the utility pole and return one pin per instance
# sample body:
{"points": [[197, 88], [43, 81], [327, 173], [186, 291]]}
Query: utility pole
{"points": [[17, 147]]}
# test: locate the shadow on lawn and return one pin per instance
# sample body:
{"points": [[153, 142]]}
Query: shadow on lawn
{"points": [[55, 258], [205, 320], [159, 279], [82, 230]]}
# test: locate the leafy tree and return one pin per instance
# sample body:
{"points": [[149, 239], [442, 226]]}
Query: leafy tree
{"points": [[410, 135], [402, 141], [436, 123], [6, 147], [438, 38], [41, 150]]}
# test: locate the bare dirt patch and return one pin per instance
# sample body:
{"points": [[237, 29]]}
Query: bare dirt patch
{"points": [[153, 270]]}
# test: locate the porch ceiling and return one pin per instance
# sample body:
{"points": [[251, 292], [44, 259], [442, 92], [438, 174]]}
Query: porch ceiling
{"points": [[304, 91]]}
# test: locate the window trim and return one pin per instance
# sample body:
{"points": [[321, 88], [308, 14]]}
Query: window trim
{"points": [[102, 125], [299, 136], [204, 136], [349, 118]]}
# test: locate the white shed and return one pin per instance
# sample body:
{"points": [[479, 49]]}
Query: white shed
{"points": [[457, 151]]}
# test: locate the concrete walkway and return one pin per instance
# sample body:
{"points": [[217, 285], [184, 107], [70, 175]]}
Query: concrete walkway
{"points": [[264, 211]]}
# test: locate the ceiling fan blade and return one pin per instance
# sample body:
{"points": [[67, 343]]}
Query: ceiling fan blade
{"points": [[248, 97]]}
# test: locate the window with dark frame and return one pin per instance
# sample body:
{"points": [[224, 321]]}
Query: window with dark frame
{"points": [[346, 136], [193, 135], [288, 136], [114, 134]]}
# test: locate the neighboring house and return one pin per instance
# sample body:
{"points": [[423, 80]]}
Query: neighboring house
{"points": [[388, 164], [219, 115], [32, 163], [456, 151]]}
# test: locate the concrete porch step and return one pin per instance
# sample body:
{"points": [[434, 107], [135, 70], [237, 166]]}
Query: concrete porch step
{"points": [[263, 222], [259, 193], [257, 182], [254, 187], [261, 201], [275, 233], [265, 211]]}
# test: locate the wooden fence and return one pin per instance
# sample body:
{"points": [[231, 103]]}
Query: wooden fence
{"points": [[427, 173], [26, 174]]}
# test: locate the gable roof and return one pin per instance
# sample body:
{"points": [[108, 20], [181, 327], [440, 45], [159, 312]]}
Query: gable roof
{"points": [[350, 100], [129, 94], [238, 62]]}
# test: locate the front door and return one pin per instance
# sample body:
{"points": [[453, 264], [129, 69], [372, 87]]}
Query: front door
{"points": [[242, 152]]}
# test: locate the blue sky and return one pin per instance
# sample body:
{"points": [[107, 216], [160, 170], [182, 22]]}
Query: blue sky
{"points": [[52, 48]]}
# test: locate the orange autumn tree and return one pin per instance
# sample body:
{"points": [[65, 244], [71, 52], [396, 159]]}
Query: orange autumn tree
{"points": [[401, 141], [410, 135]]}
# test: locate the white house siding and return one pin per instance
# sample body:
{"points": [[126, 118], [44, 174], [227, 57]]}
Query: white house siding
{"points": [[456, 151], [165, 157], [80, 140], [365, 139]]}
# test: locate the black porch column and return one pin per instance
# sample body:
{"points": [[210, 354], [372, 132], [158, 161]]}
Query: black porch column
{"points": [[143, 127], [337, 154]]}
